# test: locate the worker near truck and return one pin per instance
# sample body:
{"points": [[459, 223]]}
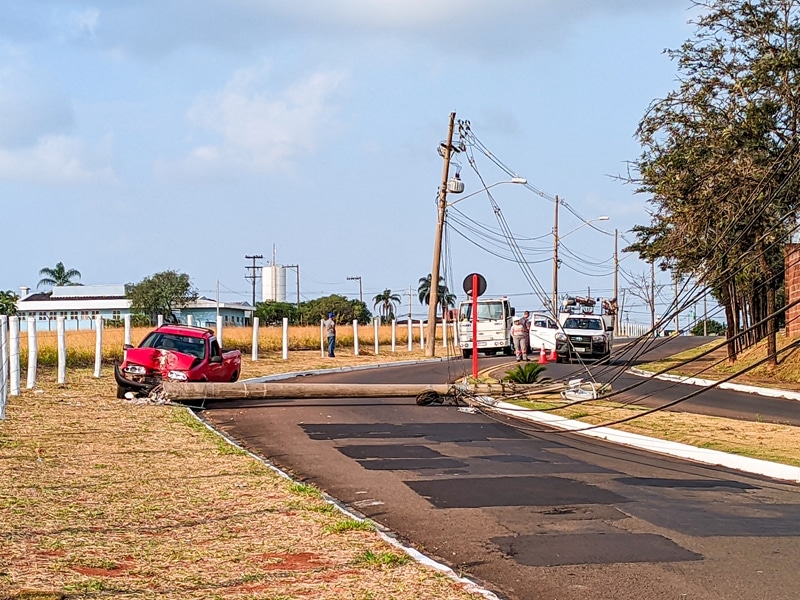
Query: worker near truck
{"points": [[526, 323], [518, 335]]}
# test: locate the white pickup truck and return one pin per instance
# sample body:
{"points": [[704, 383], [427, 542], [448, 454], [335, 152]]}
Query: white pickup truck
{"points": [[584, 336], [543, 331]]}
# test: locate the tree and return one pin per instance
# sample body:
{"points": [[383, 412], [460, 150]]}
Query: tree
{"points": [[446, 299], [8, 303], [58, 276], [712, 327], [346, 310], [388, 303], [273, 313], [160, 294], [720, 163]]}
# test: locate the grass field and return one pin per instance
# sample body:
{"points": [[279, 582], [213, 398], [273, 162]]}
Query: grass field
{"points": [[81, 344], [103, 498]]}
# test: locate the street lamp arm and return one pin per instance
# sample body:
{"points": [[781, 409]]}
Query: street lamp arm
{"points": [[519, 180], [589, 222]]}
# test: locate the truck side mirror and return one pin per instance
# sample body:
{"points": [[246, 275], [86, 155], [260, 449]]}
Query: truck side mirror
{"points": [[215, 359]]}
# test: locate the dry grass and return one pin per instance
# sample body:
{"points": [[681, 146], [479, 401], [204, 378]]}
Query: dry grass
{"points": [[99, 497]]}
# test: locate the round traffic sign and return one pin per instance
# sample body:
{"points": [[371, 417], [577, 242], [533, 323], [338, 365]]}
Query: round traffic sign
{"points": [[468, 284]]}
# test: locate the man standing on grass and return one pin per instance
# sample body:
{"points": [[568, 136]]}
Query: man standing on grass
{"points": [[330, 331]]}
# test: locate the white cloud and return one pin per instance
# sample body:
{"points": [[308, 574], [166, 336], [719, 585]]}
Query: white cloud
{"points": [[56, 160], [84, 23], [258, 128]]}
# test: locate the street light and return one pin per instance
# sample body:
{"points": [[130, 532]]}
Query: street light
{"points": [[520, 180], [360, 290], [556, 239]]}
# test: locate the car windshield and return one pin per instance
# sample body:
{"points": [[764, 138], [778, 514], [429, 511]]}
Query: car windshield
{"points": [[487, 311], [192, 346], [575, 323]]}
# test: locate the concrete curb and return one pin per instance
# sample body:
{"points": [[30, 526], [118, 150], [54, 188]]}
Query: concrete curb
{"points": [[738, 387], [685, 451]]}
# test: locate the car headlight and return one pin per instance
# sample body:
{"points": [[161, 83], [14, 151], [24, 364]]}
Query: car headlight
{"points": [[177, 376], [561, 337], [598, 339], [135, 370]]}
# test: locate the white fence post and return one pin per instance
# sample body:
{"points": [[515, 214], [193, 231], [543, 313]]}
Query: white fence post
{"points": [[394, 335], [61, 337], [127, 320], [160, 320], [355, 337], [421, 335], [98, 345], [190, 320], [285, 338], [219, 330], [375, 327], [13, 356], [255, 339], [322, 339], [33, 353], [3, 365], [410, 335]]}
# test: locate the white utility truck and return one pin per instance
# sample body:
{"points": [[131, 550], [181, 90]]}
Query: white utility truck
{"points": [[583, 334], [543, 331], [495, 317]]}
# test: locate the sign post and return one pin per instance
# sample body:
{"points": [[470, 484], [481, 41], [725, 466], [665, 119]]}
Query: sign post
{"points": [[474, 286]]}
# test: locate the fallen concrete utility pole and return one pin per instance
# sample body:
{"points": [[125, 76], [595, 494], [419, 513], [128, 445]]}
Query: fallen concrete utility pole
{"points": [[180, 392]]}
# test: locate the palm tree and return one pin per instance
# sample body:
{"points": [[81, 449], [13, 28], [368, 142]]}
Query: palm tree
{"points": [[58, 276], [446, 299], [388, 302]]}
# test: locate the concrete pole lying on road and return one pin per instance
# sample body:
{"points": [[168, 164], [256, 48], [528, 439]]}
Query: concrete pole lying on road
{"points": [[180, 391]]}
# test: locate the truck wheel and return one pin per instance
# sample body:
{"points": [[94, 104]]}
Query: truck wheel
{"points": [[235, 376], [121, 391], [466, 353]]}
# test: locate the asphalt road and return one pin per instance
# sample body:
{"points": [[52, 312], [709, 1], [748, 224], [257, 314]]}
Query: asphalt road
{"points": [[530, 512]]}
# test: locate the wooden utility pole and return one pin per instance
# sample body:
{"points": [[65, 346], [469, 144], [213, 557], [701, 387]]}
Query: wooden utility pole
{"points": [[433, 300]]}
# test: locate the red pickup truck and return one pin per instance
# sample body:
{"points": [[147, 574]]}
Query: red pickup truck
{"points": [[175, 353]]}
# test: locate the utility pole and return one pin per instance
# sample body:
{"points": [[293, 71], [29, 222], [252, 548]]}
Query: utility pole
{"points": [[433, 299], [254, 270], [677, 313], [360, 289], [297, 275], [616, 277], [653, 297], [555, 262]]}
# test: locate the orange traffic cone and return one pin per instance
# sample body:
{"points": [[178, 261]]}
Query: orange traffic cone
{"points": [[542, 356], [553, 355]]}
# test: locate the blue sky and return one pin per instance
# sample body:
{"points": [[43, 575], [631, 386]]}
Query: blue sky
{"points": [[139, 136]]}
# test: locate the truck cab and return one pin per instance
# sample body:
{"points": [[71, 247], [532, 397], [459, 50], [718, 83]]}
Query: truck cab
{"points": [[494, 321]]}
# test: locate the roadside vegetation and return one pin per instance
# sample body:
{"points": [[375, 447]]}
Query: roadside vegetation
{"points": [[103, 498]]}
